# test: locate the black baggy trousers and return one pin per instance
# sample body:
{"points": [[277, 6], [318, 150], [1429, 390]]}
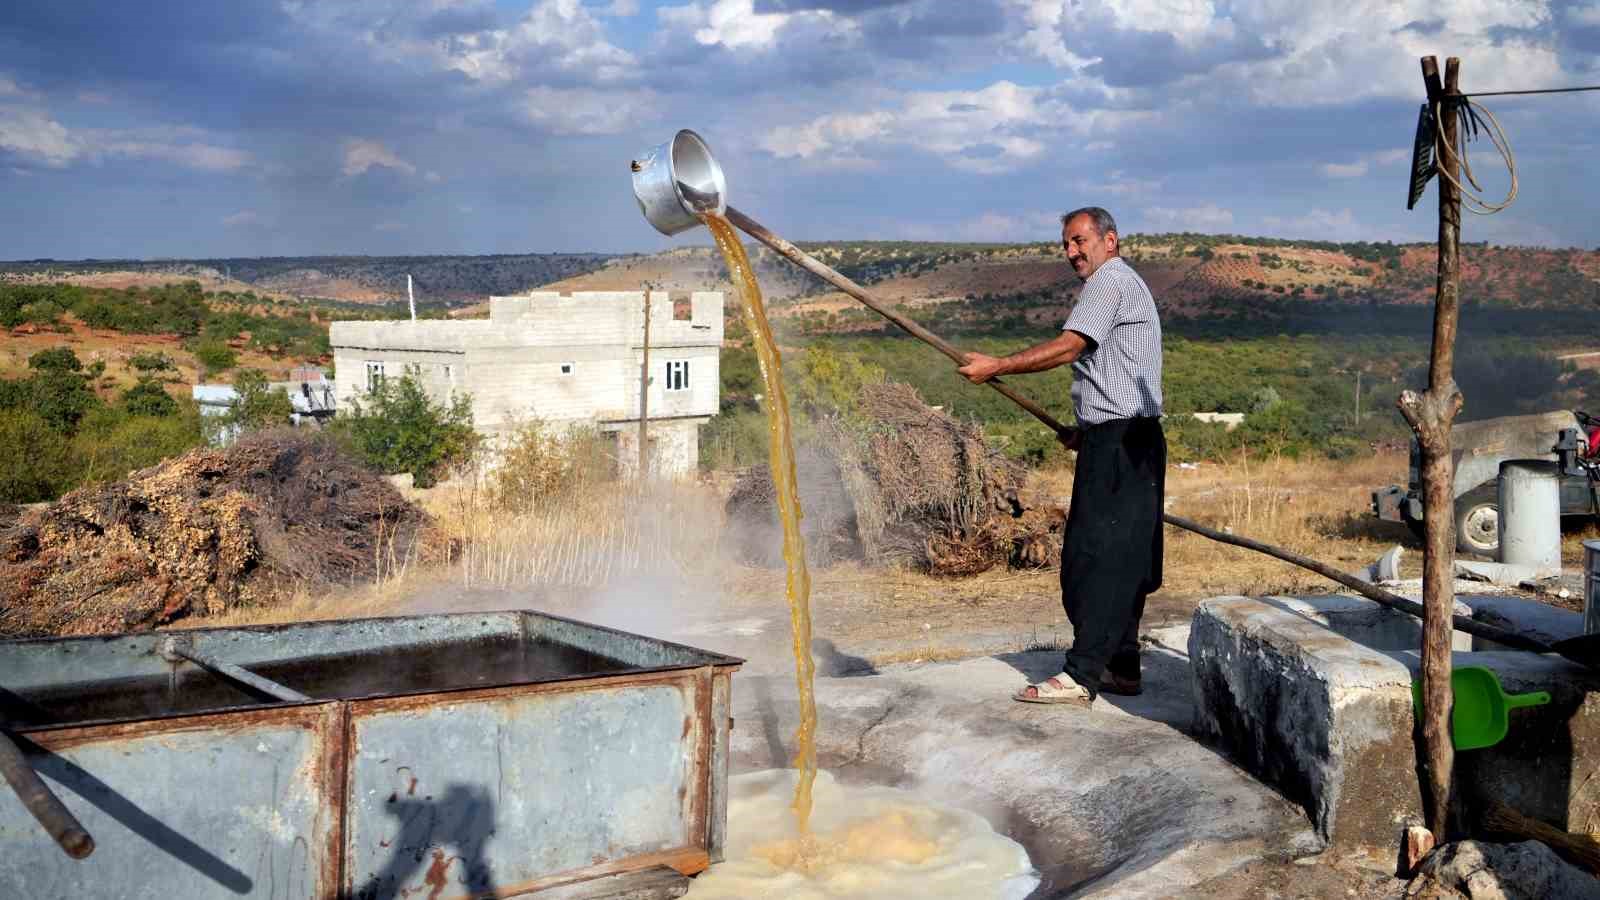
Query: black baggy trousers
{"points": [[1111, 553]]}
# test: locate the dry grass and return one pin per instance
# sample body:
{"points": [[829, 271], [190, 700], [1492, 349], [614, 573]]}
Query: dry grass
{"points": [[1317, 507], [675, 534]]}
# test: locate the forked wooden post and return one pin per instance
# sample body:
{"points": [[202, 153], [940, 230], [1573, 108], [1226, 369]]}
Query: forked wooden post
{"points": [[1430, 415]]}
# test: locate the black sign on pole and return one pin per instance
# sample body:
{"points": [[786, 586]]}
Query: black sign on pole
{"points": [[1422, 167]]}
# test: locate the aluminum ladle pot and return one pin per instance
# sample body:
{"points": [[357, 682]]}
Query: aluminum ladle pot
{"points": [[661, 173]]}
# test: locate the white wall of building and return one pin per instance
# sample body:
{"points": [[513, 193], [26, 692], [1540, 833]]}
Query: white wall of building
{"points": [[557, 358]]}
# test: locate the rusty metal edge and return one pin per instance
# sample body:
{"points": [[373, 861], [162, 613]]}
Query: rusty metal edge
{"points": [[686, 861], [697, 810], [706, 657], [338, 769], [75, 734], [398, 702]]}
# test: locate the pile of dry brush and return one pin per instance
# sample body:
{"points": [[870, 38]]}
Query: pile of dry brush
{"points": [[906, 485], [205, 532]]}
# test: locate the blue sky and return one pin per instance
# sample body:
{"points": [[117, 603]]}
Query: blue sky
{"points": [[289, 127]]}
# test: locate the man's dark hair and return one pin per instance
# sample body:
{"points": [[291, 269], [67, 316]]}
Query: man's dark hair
{"points": [[1102, 219]]}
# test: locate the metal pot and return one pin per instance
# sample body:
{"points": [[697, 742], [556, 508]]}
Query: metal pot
{"points": [[657, 175]]}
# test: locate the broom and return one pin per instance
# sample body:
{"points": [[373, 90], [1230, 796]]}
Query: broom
{"points": [[1579, 849]]}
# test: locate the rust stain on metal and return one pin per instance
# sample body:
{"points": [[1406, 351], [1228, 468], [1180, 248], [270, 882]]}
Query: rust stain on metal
{"points": [[698, 805], [328, 781]]}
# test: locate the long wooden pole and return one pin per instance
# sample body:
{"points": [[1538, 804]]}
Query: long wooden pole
{"points": [[1430, 414], [805, 261], [1370, 591]]}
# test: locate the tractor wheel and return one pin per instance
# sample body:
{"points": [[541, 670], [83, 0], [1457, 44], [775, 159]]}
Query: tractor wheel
{"points": [[1478, 522]]}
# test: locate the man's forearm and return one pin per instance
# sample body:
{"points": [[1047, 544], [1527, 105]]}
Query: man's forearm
{"points": [[1042, 357]]}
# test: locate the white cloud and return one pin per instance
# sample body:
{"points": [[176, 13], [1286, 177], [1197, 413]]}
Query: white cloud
{"points": [[9, 88], [988, 131], [206, 157], [38, 138], [1343, 170], [1206, 218], [991, 227], [390, 226], [622, 8], [735, 23], [244, 218], [570, 111], [1318, 224], [562, 35], [361, 155], [1315, 53]]}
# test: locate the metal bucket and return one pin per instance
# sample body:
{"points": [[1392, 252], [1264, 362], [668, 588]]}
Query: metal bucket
{"points": [[657, 174], [1591, 587]]}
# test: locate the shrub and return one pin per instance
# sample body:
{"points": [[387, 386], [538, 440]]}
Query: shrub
{"points": [[148, 398], [259, 404], [151, 362], [34, 460], [215, 358], [399, 428], [109, 445], [538, 464], [55, 359]]}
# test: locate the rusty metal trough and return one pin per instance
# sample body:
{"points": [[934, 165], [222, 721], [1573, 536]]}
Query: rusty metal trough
{"points": [[470, 755]]}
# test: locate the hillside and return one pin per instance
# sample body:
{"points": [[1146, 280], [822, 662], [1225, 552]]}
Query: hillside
{"points": [[1192, 275], [448, 280]]}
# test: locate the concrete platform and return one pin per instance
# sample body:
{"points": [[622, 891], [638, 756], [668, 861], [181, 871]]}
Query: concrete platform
{"points": [[1313, 696], [1119, 801]]}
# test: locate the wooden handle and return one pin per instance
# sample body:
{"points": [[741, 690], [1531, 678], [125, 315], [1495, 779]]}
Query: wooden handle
{"points": [[42, 802], [806, 261]]}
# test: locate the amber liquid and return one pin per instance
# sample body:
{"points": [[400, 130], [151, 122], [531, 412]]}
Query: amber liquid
{"points": [[780, 451]]}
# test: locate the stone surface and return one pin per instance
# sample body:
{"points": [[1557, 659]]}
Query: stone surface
{"points": [[1314, 697], [1116, 801], [1525, 871]]}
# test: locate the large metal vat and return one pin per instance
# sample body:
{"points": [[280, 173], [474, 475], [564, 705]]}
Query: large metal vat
{"points": [[471, 755]]}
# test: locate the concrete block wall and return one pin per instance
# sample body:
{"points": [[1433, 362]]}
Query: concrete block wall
{"points": [[554, 357], [1313, 696]]}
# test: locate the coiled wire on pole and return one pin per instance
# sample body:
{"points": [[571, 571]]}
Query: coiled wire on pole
{"points": [[1474, 118]]}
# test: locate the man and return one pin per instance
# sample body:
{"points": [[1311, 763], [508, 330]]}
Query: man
{"points": [[1111, 554]]}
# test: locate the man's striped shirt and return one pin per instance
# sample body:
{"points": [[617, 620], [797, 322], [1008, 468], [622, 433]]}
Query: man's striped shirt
{"points": [[1119, 375]]}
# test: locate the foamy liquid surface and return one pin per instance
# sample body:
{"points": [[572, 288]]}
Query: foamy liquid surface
{"points": [[865, 841]]}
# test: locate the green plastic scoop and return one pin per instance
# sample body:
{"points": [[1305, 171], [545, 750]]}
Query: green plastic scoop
{"points": [[1478, 718]]}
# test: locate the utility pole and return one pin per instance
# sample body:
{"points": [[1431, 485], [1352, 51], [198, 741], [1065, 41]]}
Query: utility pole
{"points": [[1430, 415], [1358, 398], [644, 392]]}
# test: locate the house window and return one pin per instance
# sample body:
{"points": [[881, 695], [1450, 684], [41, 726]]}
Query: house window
{"points": [[374, 376], [566, 368], [678, 375]]}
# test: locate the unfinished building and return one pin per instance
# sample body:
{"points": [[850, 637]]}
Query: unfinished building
{"points": [[559, 359]]}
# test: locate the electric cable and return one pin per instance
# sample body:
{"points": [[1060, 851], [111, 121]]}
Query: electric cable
{"points": [[1474, 117]]}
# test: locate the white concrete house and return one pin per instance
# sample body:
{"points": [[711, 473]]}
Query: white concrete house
{"points": [[558, 358]]}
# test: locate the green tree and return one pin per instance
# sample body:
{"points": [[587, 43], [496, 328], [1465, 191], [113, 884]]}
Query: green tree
{"points": [[148, 398], [34, 461], [55, 359], [111, 444], [259, 404], [215, 357], [399, 428]]}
